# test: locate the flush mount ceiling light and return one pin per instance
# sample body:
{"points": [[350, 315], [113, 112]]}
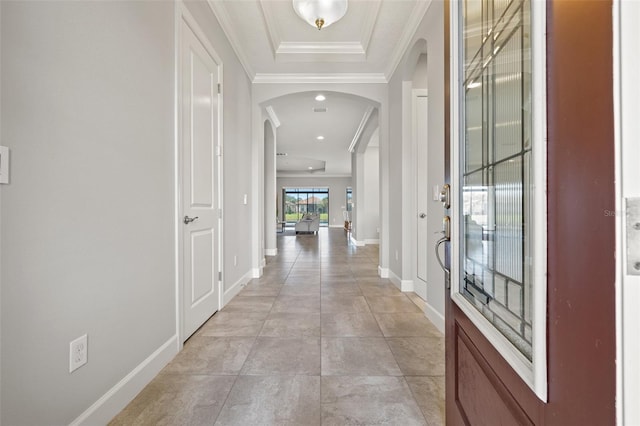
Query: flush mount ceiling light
{"points": [[320, 13], [320, 138], [320, 98]]}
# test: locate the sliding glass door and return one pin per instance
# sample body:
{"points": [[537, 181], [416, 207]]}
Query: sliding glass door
{"points": [[299, 201]]}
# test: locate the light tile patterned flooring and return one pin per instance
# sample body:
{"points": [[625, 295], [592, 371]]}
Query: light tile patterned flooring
{"points": [[318, 339]]}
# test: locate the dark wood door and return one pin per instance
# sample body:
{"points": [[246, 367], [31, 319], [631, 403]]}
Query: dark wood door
{"points": [[482, 387]]}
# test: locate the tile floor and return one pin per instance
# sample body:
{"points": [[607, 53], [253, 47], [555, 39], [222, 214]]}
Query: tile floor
{"points": [[318, 339]]}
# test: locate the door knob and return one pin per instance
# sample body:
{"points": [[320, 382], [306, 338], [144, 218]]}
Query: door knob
{"points": [[422, 215], [187, 220]]}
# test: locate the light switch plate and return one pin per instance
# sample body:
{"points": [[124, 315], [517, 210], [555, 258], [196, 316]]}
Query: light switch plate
{"points": [[4, 164]]}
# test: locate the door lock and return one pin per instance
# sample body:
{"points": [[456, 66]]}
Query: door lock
{"points": [[445, 197], [422, 215]]}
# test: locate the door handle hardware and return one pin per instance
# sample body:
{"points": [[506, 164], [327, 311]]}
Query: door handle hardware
{"points": [[633, 236], [446, 270], [445, 197], [422, 215], [187, 220]]}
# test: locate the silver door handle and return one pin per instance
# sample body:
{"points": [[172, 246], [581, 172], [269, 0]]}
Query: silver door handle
{"points": [[422, 215], [187, 220]]}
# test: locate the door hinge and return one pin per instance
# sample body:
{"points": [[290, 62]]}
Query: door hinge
{"points": [[219, 88], [220, 276], [219, 150]]}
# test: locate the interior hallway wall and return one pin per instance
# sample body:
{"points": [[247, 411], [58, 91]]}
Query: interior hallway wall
{"points": [[236, 90], [88, 218], [430, 29]]}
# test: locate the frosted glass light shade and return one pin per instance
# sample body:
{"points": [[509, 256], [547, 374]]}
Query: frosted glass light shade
{"points": [[320, 13]]}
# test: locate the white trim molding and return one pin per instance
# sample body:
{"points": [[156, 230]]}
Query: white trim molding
{"points": [[434, 316], [361, 127], [319, 78], [222, 15], [383, 272], [417, 14], [357, 243], [236, 288], [272, 115], [116, 398], [271, 252]]}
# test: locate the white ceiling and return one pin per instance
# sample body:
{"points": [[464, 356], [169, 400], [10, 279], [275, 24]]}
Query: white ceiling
{"points": [[275, 45], [300, 126]]}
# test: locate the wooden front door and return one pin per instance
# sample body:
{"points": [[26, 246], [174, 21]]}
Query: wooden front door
{"points": [[530, 318]]}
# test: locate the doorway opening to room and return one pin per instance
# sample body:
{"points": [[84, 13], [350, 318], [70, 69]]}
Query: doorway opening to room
{"points": [[298, 202]]}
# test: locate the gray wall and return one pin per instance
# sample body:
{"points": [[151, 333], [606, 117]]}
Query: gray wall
{"points": [[237, 149], [431, 29], [87, 243], [337, 193], [371, 175]]}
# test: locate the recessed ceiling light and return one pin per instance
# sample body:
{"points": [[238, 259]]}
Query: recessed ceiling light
{"points": [[310, 168], [320, 138], [320, 98]]}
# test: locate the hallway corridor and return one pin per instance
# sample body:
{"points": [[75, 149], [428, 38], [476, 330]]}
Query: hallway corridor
{"points": [[318, 339]]}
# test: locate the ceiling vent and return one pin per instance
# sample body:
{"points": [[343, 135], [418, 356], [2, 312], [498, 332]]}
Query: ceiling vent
{"points": [[281, 154], [319, 110]]}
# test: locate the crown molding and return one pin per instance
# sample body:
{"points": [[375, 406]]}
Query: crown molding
{"points": [[369, 24], [417, 14], [363, 124], [303, 78], [272, 115], [287, 51], [329, 51], [318, 175], [221, 13]]}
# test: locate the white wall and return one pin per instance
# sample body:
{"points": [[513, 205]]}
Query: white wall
{"points": [[88, 218], [270, 191], [237, 152], [371, 186], [431, 30], [88, 222], [337, 193]]}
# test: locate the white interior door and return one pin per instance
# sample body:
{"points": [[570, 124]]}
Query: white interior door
{"points": [[420, 103], [200, 195]]}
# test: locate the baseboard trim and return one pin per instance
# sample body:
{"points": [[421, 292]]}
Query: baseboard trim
{"points": [[356, 242], [116, 398], [395, 279], [383, 272], [435, 317], [236, 288], [407, 285], [336, 226], [256, 272], [271, 252], [372, 241]]}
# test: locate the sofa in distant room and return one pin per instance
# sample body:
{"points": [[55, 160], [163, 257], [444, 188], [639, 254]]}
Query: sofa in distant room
{"points": [[309, 224]]}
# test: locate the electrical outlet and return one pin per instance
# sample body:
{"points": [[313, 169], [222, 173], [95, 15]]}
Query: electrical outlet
{"points": [[78, 353]]}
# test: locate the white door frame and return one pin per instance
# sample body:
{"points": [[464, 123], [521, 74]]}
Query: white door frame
{"points": [[626, 62], [183, 14], [417, 282]]}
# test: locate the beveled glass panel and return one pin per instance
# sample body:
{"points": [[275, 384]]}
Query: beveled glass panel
{"points": [[496, 238]]}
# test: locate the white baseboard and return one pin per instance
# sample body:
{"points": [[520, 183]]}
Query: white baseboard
{"points": [[256, 272], [372, 241], [394, 279], [356, 242], [407, 285], [402, 285], [435, 317], [235, 288], [271, 252], [383, 272], [336, 226], [264, 262], [116, 398]]}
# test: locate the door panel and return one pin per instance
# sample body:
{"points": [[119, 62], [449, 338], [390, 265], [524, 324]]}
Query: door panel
{"points": [[482, 387], [199, 139], [422, 192]]}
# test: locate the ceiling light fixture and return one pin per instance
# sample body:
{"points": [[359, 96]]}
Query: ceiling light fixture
{"points": [[320, 13], [320, 138], [310, 168], [320, 98]]}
